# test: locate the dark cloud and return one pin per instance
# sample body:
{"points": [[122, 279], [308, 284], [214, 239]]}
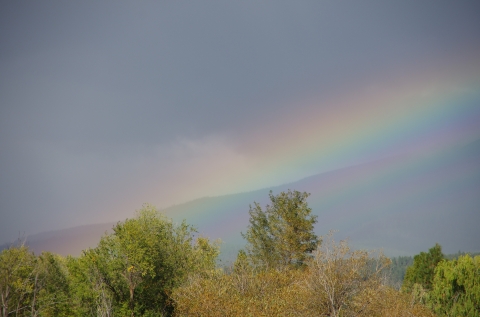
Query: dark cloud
{"points": [[90, 84]]}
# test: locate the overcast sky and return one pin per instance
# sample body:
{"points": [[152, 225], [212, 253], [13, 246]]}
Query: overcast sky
{"points": [[105, 105]]}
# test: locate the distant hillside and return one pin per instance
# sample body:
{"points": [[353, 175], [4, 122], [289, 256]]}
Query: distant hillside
{"points": [[403, 204], [69, 241]]}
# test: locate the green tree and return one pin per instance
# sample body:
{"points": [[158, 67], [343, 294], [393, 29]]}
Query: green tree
{"points": [[17, 265], [91, 296], [423, 269], [142, 261], [31, 285], [51, 289], [456, 287], [282, 235]]}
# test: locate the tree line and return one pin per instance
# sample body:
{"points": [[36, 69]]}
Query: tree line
{"points": [[150, 266]]}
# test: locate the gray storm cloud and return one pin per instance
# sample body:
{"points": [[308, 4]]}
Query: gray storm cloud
{"points": [[96, 97]]}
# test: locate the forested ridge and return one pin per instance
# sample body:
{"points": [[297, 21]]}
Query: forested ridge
{"points": [[150, 266]]}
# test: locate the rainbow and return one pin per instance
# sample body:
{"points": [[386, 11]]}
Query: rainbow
{"points": [[397, 126]]}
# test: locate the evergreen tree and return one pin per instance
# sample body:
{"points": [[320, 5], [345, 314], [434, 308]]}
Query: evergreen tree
{"points": [[282, 235], [423, 269]]}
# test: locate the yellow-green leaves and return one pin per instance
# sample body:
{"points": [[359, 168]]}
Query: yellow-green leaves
{"points": [[456, 287], [143, 260], [33, 285], [337, 281]]}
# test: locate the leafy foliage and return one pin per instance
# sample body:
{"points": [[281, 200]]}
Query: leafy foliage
{"points": [[16, 271], [456, 287], [91, 295], [134, 270], [33, 286], [282, 235], [400, 264], [423, 269], [149, 266], [386, 301], [337, 275], [242, 293], [453, 289], [336, 281]]}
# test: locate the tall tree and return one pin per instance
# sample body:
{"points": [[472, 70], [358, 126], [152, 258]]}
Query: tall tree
{"points": [[91, 296], [50, 294], [144, 259], [423, 269], [17, 264], [282, 235], [456, 287]]}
